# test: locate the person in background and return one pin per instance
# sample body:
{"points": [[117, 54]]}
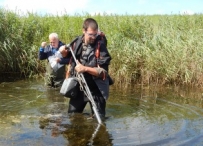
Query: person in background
{"points": [[95, 70], [55, 67]]}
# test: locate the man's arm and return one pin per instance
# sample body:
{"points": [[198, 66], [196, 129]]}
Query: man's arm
{"points": [[42, 55], [81, 69]]}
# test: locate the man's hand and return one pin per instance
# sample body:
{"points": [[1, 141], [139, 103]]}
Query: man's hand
{"points": [[63, 51], [58, 60], [43, 45], [80, 68]]}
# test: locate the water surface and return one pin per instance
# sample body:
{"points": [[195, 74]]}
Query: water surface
{"points": [[34, 115]]}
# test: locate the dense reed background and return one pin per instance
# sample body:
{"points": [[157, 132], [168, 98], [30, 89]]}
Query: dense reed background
{"points": [[158, 49]]}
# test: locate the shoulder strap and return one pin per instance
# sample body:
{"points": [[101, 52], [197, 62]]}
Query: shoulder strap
{"points": [[97, 55], [97, 52]]}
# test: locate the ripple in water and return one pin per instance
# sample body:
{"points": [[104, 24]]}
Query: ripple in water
{"points": [[160, 123]]}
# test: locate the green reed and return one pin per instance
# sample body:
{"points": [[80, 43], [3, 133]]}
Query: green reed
{"points": [[158, 49]]}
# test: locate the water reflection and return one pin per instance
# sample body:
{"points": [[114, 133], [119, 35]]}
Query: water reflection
{"points": [[31, 114], [76, 129]]}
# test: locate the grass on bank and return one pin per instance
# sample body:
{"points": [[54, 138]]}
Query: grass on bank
{"points": [[158, 49]]}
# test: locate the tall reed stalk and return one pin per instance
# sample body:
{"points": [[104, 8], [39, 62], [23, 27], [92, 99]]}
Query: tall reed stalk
{"points": [[158, 49]]}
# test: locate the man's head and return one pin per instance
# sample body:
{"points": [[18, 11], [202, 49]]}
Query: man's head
{"points": [[54, 40], [90, 30]]}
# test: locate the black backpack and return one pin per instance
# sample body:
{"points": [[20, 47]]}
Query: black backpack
{"points": [[102, 37]]}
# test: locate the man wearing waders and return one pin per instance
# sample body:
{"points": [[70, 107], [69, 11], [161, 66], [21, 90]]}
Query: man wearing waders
{"points": [[55, 67], [93, 61]]}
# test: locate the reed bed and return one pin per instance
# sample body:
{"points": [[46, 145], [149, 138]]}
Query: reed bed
{"points": [[146, 50]]}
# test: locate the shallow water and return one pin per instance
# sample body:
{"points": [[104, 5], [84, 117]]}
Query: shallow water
{"points": [[34, 115]]}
